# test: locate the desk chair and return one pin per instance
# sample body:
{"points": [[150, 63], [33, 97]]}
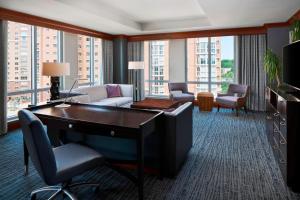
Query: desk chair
{"points": [[56, 165]]}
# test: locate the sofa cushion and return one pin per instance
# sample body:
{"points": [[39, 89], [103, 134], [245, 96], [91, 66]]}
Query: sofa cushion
{"points": [[95, 93], [116, 101], [227, 100], [113, 91]]}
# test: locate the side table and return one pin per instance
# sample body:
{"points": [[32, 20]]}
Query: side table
{"points": [[205, 101]]}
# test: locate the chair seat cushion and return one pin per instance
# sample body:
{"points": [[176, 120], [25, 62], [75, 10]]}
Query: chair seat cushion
{"points": [[183, 97], [74, 159], [227, 100]]}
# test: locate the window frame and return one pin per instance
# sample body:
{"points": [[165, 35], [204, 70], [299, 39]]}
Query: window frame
{"points": [[156, 52], [34, 90], [210, 64], [91, 65]]}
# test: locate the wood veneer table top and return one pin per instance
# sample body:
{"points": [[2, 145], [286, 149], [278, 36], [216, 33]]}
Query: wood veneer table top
{"points": [[122, 117], [152, 103]]}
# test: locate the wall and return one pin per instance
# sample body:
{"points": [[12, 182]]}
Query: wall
{"points": [[177, 60], [70, 55], [277, 38]]}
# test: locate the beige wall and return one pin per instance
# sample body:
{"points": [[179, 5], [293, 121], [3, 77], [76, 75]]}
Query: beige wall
{"points": [[71, 56], [177, 60]]}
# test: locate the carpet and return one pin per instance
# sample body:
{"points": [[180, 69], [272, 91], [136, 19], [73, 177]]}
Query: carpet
{"points": [[230, 159]]}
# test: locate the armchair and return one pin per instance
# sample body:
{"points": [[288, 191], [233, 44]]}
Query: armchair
{"points": [[235, 98], [179, 92]]}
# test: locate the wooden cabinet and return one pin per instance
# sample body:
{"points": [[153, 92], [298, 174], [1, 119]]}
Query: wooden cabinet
{"points": [[283, 130]]}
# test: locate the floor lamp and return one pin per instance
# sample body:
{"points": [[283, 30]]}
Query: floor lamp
{"points": [[136, 77], [55, 70]]}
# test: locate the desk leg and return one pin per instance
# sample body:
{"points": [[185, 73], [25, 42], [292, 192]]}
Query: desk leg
{"points": [[26, 157], [140, 159]]}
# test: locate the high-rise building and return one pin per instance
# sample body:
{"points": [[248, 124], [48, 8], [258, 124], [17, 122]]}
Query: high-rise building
{"points": [[156, 56], [20, 62], [199, 71]]}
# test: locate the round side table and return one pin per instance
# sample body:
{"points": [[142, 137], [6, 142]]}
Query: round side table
{"points": [[205, 101]]}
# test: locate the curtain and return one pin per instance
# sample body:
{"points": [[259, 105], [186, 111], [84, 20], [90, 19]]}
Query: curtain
{"points": [[3, 77], [136, 76], [135, 51], [107, 61], [250, 53]]}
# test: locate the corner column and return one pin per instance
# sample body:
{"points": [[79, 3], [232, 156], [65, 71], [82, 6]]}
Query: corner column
{"points": [[120, 60]]}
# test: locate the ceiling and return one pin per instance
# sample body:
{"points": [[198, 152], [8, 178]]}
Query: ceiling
{"points": [[134, 17]]}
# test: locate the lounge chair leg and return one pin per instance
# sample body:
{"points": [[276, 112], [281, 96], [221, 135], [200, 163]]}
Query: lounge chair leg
{"points": [[218, 108], [237, 112], [245, 109]]}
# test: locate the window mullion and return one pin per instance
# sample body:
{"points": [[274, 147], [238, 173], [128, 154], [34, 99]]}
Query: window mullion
{"points": [[209, 64], [34, 65], [92, 79]]}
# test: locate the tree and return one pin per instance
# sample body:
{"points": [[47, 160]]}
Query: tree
{"points": [[226, 63]]}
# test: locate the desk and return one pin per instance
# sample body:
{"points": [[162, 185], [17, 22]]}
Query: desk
{"points": [[102, 120]]}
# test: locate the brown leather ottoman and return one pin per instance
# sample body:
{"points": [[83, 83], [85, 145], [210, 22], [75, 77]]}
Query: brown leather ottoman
{"points": [[205, 101]]}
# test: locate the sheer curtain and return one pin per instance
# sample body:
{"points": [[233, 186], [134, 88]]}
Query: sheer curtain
{"points": [[107, 60], [250, 54], [3, 77], [136, 53]]}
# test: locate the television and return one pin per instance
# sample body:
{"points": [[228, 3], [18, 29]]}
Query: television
{"points": [[291, 65]]}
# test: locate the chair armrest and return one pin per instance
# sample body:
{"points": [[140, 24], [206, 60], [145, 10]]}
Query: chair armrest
{"points": [[222, 94]]}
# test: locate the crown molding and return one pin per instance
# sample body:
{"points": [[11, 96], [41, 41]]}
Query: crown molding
{"points": [[6, 14]]}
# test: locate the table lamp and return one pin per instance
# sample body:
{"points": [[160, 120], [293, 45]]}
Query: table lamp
{"points": [[136, 77], [55, 70]]}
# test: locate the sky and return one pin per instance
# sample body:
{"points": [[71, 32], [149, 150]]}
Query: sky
{"points": [[227, 45]]}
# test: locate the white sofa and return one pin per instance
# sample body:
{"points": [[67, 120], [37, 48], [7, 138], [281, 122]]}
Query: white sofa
{"points": [[97, 95]]}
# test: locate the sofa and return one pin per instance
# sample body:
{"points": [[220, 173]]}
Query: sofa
{"points": [[97, 95], [178, 134]]}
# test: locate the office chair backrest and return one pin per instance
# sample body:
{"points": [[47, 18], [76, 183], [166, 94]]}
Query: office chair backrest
{"points": [[38, 145]]}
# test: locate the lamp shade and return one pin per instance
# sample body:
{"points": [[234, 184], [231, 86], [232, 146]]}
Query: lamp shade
{"points": [[55, 69], [136, 65]]}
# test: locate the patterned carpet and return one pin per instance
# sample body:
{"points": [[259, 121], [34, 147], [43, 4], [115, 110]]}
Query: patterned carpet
{"points": [[230, 159]]}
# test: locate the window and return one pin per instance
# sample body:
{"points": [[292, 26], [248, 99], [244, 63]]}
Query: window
{"points": [[210, 64], [89, 60], [43, 35], [156, 67], [84, 59], [26, 85]]}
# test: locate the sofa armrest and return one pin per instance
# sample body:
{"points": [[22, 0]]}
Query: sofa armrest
{"points": [[178, 137]]}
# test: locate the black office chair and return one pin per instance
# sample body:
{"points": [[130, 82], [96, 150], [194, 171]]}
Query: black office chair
{"points": [[56, 165]]}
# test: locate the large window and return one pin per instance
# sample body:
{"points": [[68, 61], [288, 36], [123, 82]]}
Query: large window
{"points": [[89, 60], [28, 48], [156, 57], [210, 64]]}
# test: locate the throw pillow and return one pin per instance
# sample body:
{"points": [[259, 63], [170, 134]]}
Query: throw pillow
{"points": [[113, 91]]}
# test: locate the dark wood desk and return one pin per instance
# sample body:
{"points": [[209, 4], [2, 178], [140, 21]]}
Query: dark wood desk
{"points": [[101, 120]]}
